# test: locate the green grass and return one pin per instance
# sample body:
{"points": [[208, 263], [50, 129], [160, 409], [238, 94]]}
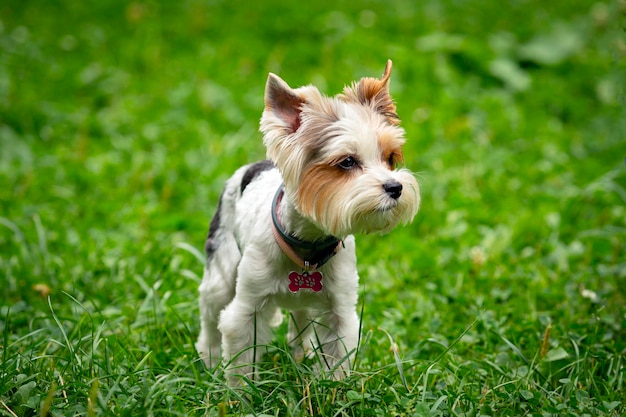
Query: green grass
{"points": [[120, 121]]}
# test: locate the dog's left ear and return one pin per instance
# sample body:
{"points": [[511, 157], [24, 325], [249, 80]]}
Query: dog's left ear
{"points": [[283, 101], [375, 93]]}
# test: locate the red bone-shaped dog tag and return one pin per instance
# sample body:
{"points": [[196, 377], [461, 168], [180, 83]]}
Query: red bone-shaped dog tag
{"points": [[312, 281]]}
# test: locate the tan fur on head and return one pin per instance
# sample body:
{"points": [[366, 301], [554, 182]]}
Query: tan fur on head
{"points": [[375, 93]]}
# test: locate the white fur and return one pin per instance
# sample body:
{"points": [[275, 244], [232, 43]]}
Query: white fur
{"points": [[245, 282]]}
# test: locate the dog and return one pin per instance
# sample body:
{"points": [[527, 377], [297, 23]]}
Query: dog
{"points": [[282, 235]]}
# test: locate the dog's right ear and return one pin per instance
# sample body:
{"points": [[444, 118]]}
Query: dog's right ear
{"points": [[283, 101]]}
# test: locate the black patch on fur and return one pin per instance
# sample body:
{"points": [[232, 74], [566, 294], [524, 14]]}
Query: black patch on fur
{"points": [[211, 245], [253, 171]]}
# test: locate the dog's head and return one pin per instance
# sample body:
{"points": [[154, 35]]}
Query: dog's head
{"points": [[338, 155]]}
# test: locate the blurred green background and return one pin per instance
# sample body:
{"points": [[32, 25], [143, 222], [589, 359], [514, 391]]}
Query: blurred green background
{"points": [[119, 122]]}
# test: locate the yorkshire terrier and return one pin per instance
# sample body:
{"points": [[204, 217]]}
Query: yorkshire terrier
{"points": [[282, 235]]}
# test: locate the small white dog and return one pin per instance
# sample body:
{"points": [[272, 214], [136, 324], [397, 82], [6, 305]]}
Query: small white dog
{"points": [[282, 233]]}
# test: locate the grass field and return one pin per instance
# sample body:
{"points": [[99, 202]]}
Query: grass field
{"points": [[119, 122]]}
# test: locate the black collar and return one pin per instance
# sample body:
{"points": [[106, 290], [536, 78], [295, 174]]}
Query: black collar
{"points": [[313, 254]]}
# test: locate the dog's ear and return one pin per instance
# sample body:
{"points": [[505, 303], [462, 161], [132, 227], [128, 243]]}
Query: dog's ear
{"points": [[283, 101], [375, 93]]}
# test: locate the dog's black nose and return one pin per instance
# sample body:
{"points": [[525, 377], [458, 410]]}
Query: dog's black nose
{"points": [[394, 189]]}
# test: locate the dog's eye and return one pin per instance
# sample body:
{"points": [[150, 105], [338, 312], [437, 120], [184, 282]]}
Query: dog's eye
{"points": [[392, 160], [348, 163]]}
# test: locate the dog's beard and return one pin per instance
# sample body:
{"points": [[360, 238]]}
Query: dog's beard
{"points": [[345, 204]]}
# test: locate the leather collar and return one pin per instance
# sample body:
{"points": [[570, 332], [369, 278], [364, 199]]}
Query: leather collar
{"points": [[308, 255]]}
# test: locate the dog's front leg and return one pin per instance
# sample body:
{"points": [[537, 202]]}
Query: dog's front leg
{"points": [[246, 331], [299, 335], [337, 335]]}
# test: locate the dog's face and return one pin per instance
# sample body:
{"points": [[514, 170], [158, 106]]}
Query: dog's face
{"points": [[338, 155]]}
